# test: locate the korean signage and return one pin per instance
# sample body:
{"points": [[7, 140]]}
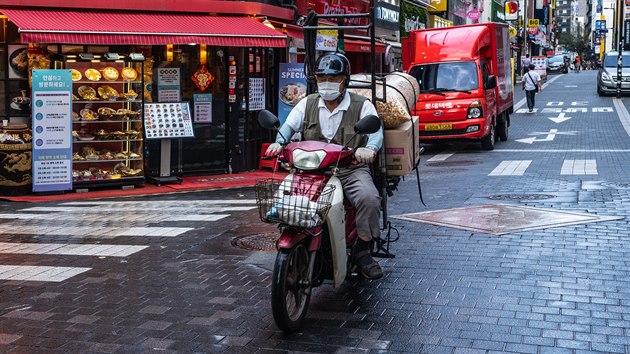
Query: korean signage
{"points": [[438, 5], [292, 83], [626, 34], [202, 103], [600, 24], [168, 80], [52, 130]]}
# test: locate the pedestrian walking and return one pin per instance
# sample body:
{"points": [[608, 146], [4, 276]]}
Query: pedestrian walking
{"points": [[531, 85], [525, 63]]}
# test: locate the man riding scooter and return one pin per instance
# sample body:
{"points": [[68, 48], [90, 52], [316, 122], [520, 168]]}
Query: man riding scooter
{"points": [[330, 116]]}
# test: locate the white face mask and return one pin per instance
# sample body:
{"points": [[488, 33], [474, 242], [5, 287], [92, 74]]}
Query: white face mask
{"points": [[328, 91]]}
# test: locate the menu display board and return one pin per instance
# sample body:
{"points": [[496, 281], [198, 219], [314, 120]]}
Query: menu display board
{"points": [[256, 94], [52, 130], [168, 120]]}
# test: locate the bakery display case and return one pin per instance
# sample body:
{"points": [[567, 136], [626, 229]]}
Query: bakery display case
{"points": [[107, 111]]}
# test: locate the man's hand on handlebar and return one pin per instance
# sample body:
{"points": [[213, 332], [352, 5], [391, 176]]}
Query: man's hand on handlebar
{"points": [[273, 150], [365, 155]]}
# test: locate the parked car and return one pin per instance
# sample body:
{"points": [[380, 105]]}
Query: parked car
{"points": [[607, 74], [557, 64]]}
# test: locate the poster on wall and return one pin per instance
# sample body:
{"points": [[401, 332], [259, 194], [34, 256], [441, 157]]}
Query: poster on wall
{"points": [[18, 61], [292, 83], [256, 94], [202, 104], [52, 130], [168, 80]]}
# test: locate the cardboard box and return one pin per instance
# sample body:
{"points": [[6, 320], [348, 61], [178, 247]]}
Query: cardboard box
{"points": [[402, 148]]}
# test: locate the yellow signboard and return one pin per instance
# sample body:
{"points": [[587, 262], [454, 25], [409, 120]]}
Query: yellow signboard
{"points": [[438, 6], [533, 22]]}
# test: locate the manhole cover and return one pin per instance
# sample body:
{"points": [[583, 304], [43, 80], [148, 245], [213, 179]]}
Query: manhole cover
{"points": [[256, 242], [521, 196], [452, 163], [618, 185], [502, 219]]}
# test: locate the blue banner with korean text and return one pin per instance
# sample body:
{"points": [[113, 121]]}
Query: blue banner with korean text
{"points": [[292, 83], [52, 130]]}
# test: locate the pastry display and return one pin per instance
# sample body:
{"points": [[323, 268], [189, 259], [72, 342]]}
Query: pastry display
{"points": [[107, 131], [107, 92], [88, 114], [87, 93], [131, 95], [92, 74], [76, 75], [110, 73], [129, 73]]}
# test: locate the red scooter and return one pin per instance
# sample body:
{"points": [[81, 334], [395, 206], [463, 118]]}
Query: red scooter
{"points": [[317, 225]]}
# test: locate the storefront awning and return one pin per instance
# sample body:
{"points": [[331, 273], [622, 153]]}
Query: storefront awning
{"points": [[146, 28], [353, 45]]}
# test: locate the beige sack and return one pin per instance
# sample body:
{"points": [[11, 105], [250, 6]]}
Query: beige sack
{"points": [[401, 94]]}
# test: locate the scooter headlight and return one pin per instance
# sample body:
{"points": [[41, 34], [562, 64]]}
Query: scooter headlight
{"points": [[308, 160]]}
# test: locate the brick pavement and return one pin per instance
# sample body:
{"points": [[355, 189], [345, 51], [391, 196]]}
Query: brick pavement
{"points": [[560, 290]]}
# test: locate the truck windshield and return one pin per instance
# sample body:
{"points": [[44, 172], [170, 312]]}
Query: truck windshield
{"points": [[444, 77]]}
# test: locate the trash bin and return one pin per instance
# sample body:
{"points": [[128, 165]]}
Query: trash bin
{"points": [[15, 160]]}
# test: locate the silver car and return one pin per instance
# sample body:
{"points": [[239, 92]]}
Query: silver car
{"points": [[607, 75]]}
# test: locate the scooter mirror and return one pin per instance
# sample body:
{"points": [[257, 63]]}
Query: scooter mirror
{"points": [[268, 120], [368, 125]]}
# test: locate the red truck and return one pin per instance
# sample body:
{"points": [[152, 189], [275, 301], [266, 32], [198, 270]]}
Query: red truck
{"points": [[464, 73]]}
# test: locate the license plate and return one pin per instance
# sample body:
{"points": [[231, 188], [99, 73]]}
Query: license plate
{"points": [[440, 126]]}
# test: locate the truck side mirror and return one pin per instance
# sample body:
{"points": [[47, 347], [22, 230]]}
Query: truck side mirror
{"points": [[491, 82]]}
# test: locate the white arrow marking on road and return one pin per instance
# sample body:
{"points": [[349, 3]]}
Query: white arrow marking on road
{"points": [[560, 118], [550, 136], [570, 85]]}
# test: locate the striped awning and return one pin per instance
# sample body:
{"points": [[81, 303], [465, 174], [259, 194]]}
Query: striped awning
{"points": [[140, 28]]}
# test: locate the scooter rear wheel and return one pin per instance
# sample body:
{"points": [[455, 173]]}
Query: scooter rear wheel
{"points": [[290, 288]]}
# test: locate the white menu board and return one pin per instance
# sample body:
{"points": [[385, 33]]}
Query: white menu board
{"points": [[256, 94], [168, 120]]}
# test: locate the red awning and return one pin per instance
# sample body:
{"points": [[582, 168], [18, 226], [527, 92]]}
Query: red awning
{"points": [[353, 45], [147, 28], [295, 31]]}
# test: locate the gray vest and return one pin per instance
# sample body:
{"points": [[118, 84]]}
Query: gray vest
{"points": [[312, 130]]}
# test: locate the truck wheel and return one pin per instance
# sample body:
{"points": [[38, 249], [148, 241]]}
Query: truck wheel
{"points": [[487, 142], [502, 128]]}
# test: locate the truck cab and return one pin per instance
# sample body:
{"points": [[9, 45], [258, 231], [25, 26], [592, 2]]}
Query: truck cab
{"points": [[464, 75]]}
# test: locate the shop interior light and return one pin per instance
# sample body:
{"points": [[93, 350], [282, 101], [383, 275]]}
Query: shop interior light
{"points": [[86, 56], [112, 56], [169, 52], [136, 57]]}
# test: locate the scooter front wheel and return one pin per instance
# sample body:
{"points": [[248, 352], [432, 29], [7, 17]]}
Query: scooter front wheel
{"points": [[290, 288]]}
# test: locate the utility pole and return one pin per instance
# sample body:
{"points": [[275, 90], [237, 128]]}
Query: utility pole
{"points": [[620, 15]]}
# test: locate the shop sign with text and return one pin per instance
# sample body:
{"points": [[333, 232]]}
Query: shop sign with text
{"points": [[387, 15], [52, 130]]}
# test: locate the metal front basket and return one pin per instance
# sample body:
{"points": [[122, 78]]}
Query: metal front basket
{"points": [[303, 203]]}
